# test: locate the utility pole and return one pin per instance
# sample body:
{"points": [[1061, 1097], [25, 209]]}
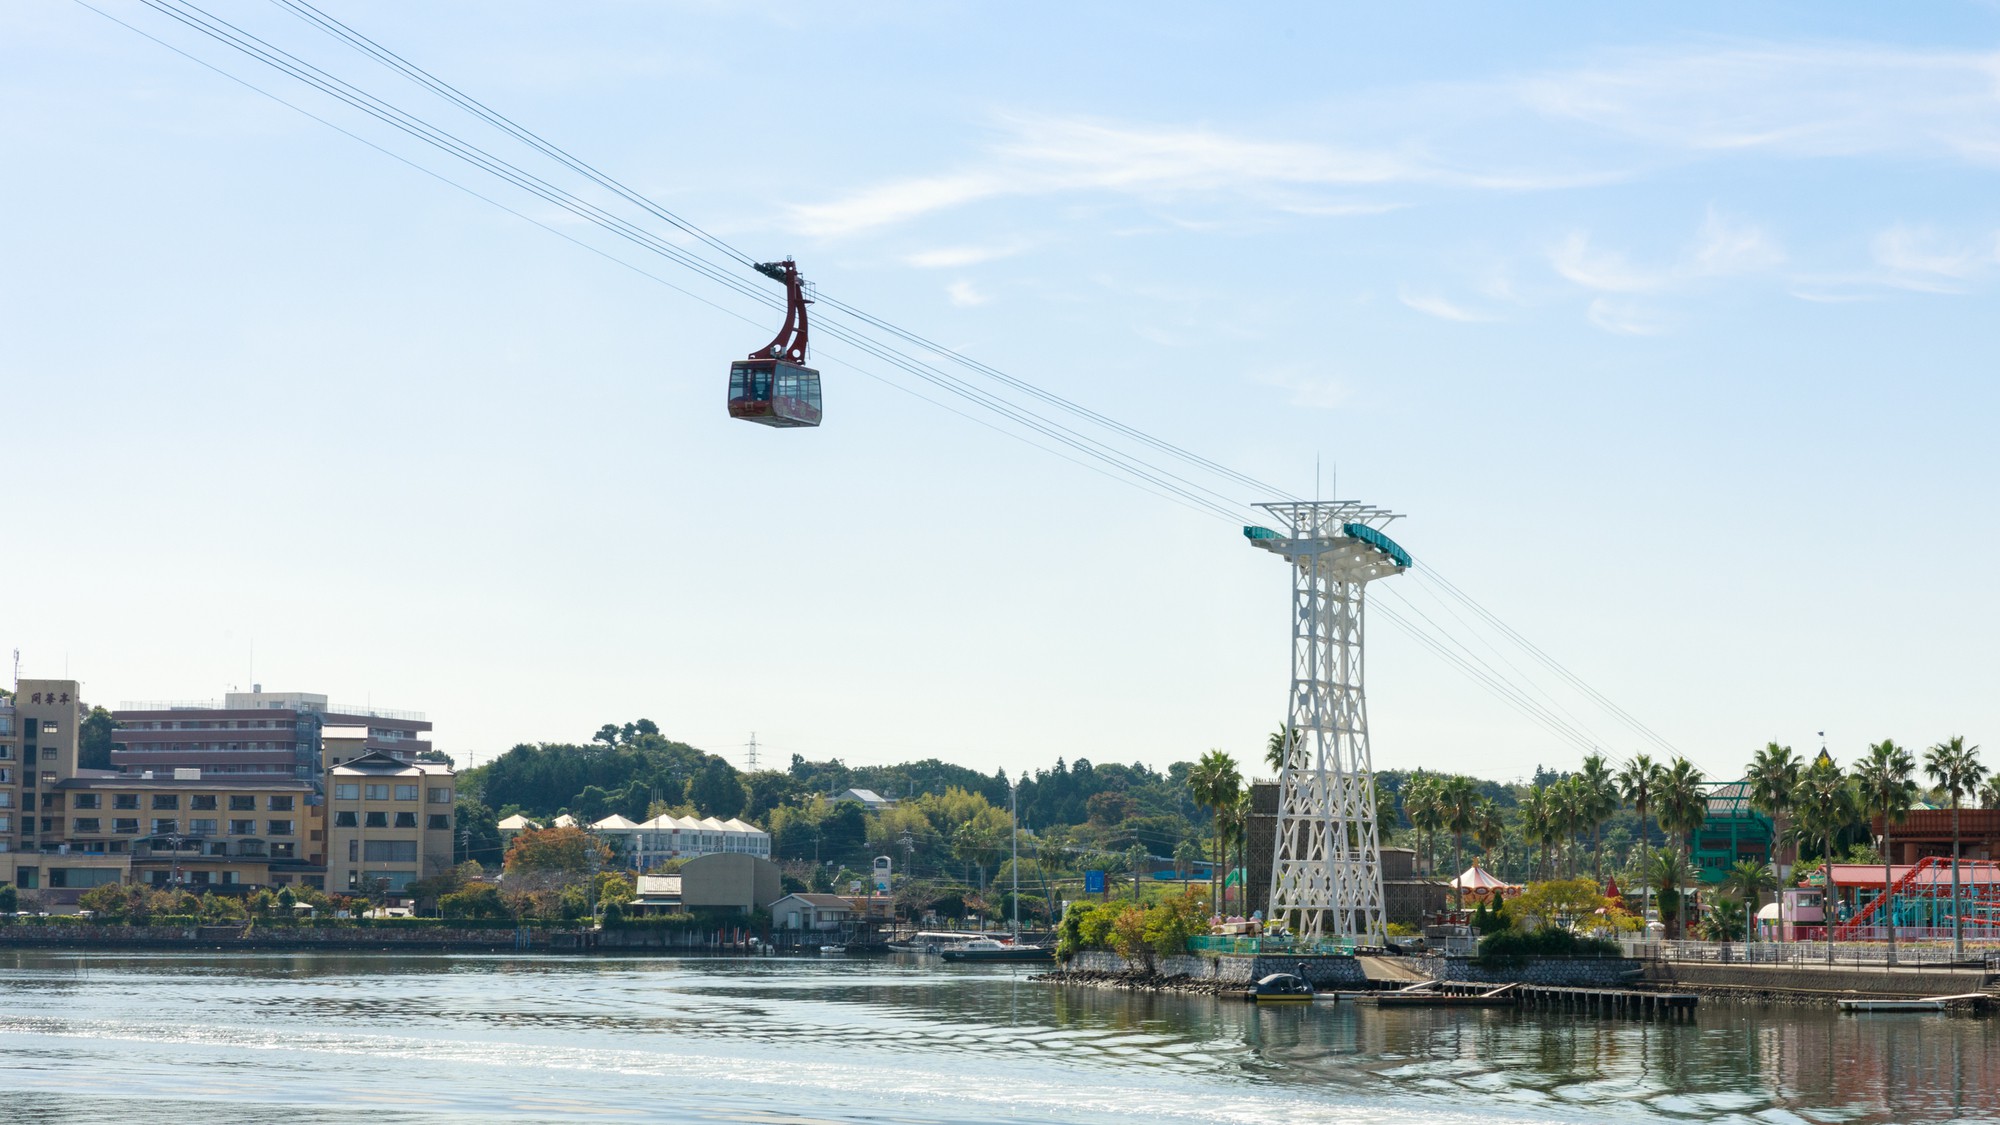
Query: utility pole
{"points": [[1137, 855], [1014, 863]]}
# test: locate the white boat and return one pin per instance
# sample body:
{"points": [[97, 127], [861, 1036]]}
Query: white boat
{"points": [[833, 949]]}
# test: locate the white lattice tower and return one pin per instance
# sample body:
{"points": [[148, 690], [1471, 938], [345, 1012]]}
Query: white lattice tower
{"points": [[1326, 869]]}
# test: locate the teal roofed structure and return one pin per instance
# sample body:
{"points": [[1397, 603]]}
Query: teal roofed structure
{"points": [[1378, 541]]}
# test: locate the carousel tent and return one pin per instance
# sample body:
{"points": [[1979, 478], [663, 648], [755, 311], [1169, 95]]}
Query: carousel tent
{"points": [[1481, 883]]}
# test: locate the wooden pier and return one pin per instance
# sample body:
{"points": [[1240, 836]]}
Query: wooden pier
{"points": [[1614, 1002]]}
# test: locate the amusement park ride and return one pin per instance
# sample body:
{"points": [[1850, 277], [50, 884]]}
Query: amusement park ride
{"points": [[774, 387]]}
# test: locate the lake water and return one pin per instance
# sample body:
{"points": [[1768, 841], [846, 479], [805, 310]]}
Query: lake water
{"points": [[216, 1038]]}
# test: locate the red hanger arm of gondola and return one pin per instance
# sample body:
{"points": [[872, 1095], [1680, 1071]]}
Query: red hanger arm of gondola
{"points": [[790, 342]]}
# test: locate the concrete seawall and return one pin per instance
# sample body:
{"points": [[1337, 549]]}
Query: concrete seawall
{"points": [[1806, 982], [1345, 973], [275, 937]]}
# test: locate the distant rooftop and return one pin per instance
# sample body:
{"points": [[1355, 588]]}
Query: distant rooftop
{"points": [[270, 701]]}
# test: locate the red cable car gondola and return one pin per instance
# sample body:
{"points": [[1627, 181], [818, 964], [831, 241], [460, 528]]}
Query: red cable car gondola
{"points": [[774, 387]]}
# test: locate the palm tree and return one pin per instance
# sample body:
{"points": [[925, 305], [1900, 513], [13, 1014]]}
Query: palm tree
{"points": [[1214, 782], [1773, 776], [1637, 783], [1666, 873], [1422, 805], [1683, 802], [1601, 797], [1748, 880], [1460, 800], [1989, 793], [1955, 768], [1489, 829], [1237, 823], [1887, 791], [1537, 814], [1824, 804], [1277, 746]]}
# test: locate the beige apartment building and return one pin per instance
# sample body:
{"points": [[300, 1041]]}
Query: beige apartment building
{"points": [[387, 819]]}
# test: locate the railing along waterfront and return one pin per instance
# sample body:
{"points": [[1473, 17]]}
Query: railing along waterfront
{"points": [[1928, 953], [1276, 946]]}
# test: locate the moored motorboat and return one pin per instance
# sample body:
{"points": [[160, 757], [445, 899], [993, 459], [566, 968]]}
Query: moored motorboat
{"points": [[986, 949], [1281, 988]]}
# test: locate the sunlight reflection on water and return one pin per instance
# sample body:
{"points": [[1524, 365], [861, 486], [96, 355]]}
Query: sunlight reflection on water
{"points": [[309, 1037]]}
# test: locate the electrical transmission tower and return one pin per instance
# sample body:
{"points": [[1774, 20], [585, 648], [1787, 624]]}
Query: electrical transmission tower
{"points": [[1326, 869]]}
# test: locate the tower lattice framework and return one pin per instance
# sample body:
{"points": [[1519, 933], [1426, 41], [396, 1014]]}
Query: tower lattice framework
{"points": [[1326, 871]]}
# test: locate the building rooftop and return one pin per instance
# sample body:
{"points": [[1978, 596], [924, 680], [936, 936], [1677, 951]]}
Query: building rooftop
{"points": [[104, 779]]}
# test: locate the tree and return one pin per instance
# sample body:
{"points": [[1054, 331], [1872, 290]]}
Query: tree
{"points": [[93, 740], [1748, 880], [1600, 800], [1883, 777], [1724, 920], [1774, 779], [1637, 783], [1955, 768], [563, 854], [1667, 874], [1683, 802], [717, 790], [1491, 829], [1278, 746], [478, 837], [1460, 806], [1537, 822], [1214, 782], [479, 900], [1423, 804], [1558, 903]]}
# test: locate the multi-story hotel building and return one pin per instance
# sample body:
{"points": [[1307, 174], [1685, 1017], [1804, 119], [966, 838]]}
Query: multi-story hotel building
{"points": [[64, 829], [253, 733], [387, 820]]}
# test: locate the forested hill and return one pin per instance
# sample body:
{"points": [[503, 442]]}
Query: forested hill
{"points": [[636, 771]]}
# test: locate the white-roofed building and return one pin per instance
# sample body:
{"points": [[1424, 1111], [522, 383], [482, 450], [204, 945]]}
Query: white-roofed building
{"points": [[866, 798], [681, 837]]}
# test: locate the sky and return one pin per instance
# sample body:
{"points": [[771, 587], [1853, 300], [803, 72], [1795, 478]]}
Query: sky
{"points": [[1667, 328]]}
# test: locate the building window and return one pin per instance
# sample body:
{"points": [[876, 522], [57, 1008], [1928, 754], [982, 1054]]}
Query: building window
{"points": [[7, 824], [390, 851], [166, 800], [83, 800], [48, 753], [204, 802], [7, 799], [242, 804], [242, 828], [378, 792], [406, 820], [406, 792], [378, 820], [281, 804], [202, 827], [49, 726], [164, 826], [440, 795], [283, 851], [347, 791], [85, 824], [439, 822], [279, 828], [345, 820], [126, 826], [124, 800], [354, 851]]}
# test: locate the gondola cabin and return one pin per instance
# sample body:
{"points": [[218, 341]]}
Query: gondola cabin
{"points": [[774, 393]]}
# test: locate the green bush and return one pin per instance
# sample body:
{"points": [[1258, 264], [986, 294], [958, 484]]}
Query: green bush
{"points": [[1511, 945]]}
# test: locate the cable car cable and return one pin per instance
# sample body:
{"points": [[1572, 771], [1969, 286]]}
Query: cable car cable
{"points": [[1136, 471]]}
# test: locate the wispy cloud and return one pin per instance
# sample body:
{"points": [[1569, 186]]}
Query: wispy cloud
{"points": [[1918, 258], [1443, 309], [958, 257], [1309, 391], [1625, 318], [964, 295], [1047, 156], [1722, 247]]}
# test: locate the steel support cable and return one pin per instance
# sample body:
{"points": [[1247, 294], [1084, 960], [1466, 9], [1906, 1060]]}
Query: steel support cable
{"points": [[229, 35], [419, 75], [1139, 483], [444, 141], [542, 189], [1598, 697], [372, 49], [1512, 698], [1519, 680]]}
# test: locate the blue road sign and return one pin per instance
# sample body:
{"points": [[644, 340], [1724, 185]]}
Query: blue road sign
{"points": [[1093, 882]]}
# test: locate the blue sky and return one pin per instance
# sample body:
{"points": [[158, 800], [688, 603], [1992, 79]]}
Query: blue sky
{"points": [[1668, 329]]}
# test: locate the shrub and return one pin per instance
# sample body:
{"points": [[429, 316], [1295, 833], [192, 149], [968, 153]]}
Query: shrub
{"points": [[1171, 923], [481, 900], [1511, 945]]}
